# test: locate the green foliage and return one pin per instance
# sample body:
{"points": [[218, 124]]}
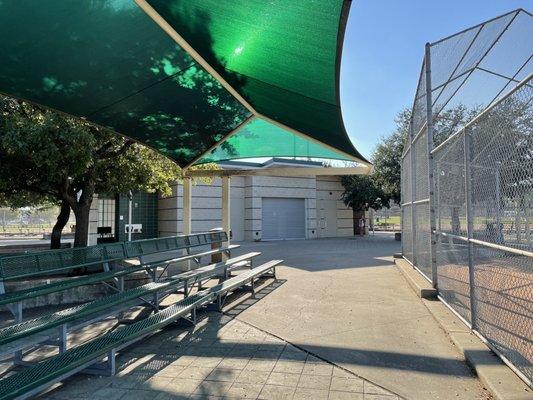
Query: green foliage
{"points": [[388, 156], [43, 150], [362, 192], [48, 157]]}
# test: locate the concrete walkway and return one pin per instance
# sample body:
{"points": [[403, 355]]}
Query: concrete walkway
{"points": [[341, 323], [220, 358], [344, 301]]}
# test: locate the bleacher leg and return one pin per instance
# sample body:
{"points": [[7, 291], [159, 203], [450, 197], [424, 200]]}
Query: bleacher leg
{"points": [[18, 312], [18, 357], [272, 274], [186, 288], [156, 301], [111, 362], [153, 273], [220, 302], [120, 283], [62, 338], [253, 287]]}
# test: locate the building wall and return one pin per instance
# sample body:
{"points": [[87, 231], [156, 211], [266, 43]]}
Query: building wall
{"points": [[246, 205], [206, 208], [330, 189]]}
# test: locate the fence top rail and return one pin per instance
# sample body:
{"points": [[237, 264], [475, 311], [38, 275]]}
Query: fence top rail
{"points": [[495, 246], [516, 11], [452, 137]]}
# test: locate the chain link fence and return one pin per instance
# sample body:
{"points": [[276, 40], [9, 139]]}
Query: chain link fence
{"points": [[467, 181]]}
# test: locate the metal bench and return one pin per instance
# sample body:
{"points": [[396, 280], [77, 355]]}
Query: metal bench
{"points": [[223, 289], [15, 338], [38, 377], [37, 264]]}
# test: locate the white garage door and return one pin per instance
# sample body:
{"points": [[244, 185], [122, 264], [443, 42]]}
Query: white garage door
{"points": [[283, 218]]}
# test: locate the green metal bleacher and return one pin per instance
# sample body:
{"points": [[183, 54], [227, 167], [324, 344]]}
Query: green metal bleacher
{"points": [[23, 337], [105, 257], [38, 377], [31, 327]]}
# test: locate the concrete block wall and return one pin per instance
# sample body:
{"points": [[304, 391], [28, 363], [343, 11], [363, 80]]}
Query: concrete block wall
{"points": [[246, 205], [206, 208], [329, 188]]}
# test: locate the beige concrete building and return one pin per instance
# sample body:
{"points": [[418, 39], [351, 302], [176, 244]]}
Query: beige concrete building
{"points": [[264, 207]]}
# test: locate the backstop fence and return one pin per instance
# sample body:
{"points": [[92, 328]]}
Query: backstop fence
{"points": [[467, 181]]}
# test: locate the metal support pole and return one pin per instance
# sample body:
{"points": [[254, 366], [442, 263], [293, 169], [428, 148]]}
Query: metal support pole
{"points": [[469, 225], [432, 219], [130, 214], [62, 338], [413, 193], [498, 199], [187, 205], [187, 214], [18, 312], [226, 208], [111, 362], [437, 199], [252, 287]]}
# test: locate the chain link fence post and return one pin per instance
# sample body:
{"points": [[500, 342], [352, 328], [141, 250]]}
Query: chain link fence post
{"points": [[431, 183], [469, 223], [413, 194]]}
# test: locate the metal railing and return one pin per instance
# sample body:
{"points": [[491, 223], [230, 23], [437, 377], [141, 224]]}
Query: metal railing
{"points": [[467, 181]]}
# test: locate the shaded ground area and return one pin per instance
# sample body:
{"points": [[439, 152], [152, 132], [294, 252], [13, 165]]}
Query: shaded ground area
{"points": [[344, 301], [219, 358]]}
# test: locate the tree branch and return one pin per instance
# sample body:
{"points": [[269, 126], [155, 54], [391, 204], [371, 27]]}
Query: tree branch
{"points": [[103, 154]]}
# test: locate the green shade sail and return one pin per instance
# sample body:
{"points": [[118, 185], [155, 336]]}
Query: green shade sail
{"points": [[259, 138], [110, 63], [282, 56]]}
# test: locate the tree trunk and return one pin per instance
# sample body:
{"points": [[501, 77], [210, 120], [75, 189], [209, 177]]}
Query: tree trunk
{"points": [[357, 216], [354, 222], [518, 223], [81, 234], [455, 221], [62, 219]]}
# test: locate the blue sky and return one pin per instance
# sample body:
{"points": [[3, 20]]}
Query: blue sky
{"points": [[383, 50]]}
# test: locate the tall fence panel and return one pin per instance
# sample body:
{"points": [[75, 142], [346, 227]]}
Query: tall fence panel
{"points": [[467, 181]]}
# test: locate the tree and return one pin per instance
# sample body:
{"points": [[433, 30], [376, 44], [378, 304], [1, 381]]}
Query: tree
{"points": [[387, 157], [362, 192], [48, 157]]}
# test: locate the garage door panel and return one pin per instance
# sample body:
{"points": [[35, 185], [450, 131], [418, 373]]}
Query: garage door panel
{"points": [[283, 218]]}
